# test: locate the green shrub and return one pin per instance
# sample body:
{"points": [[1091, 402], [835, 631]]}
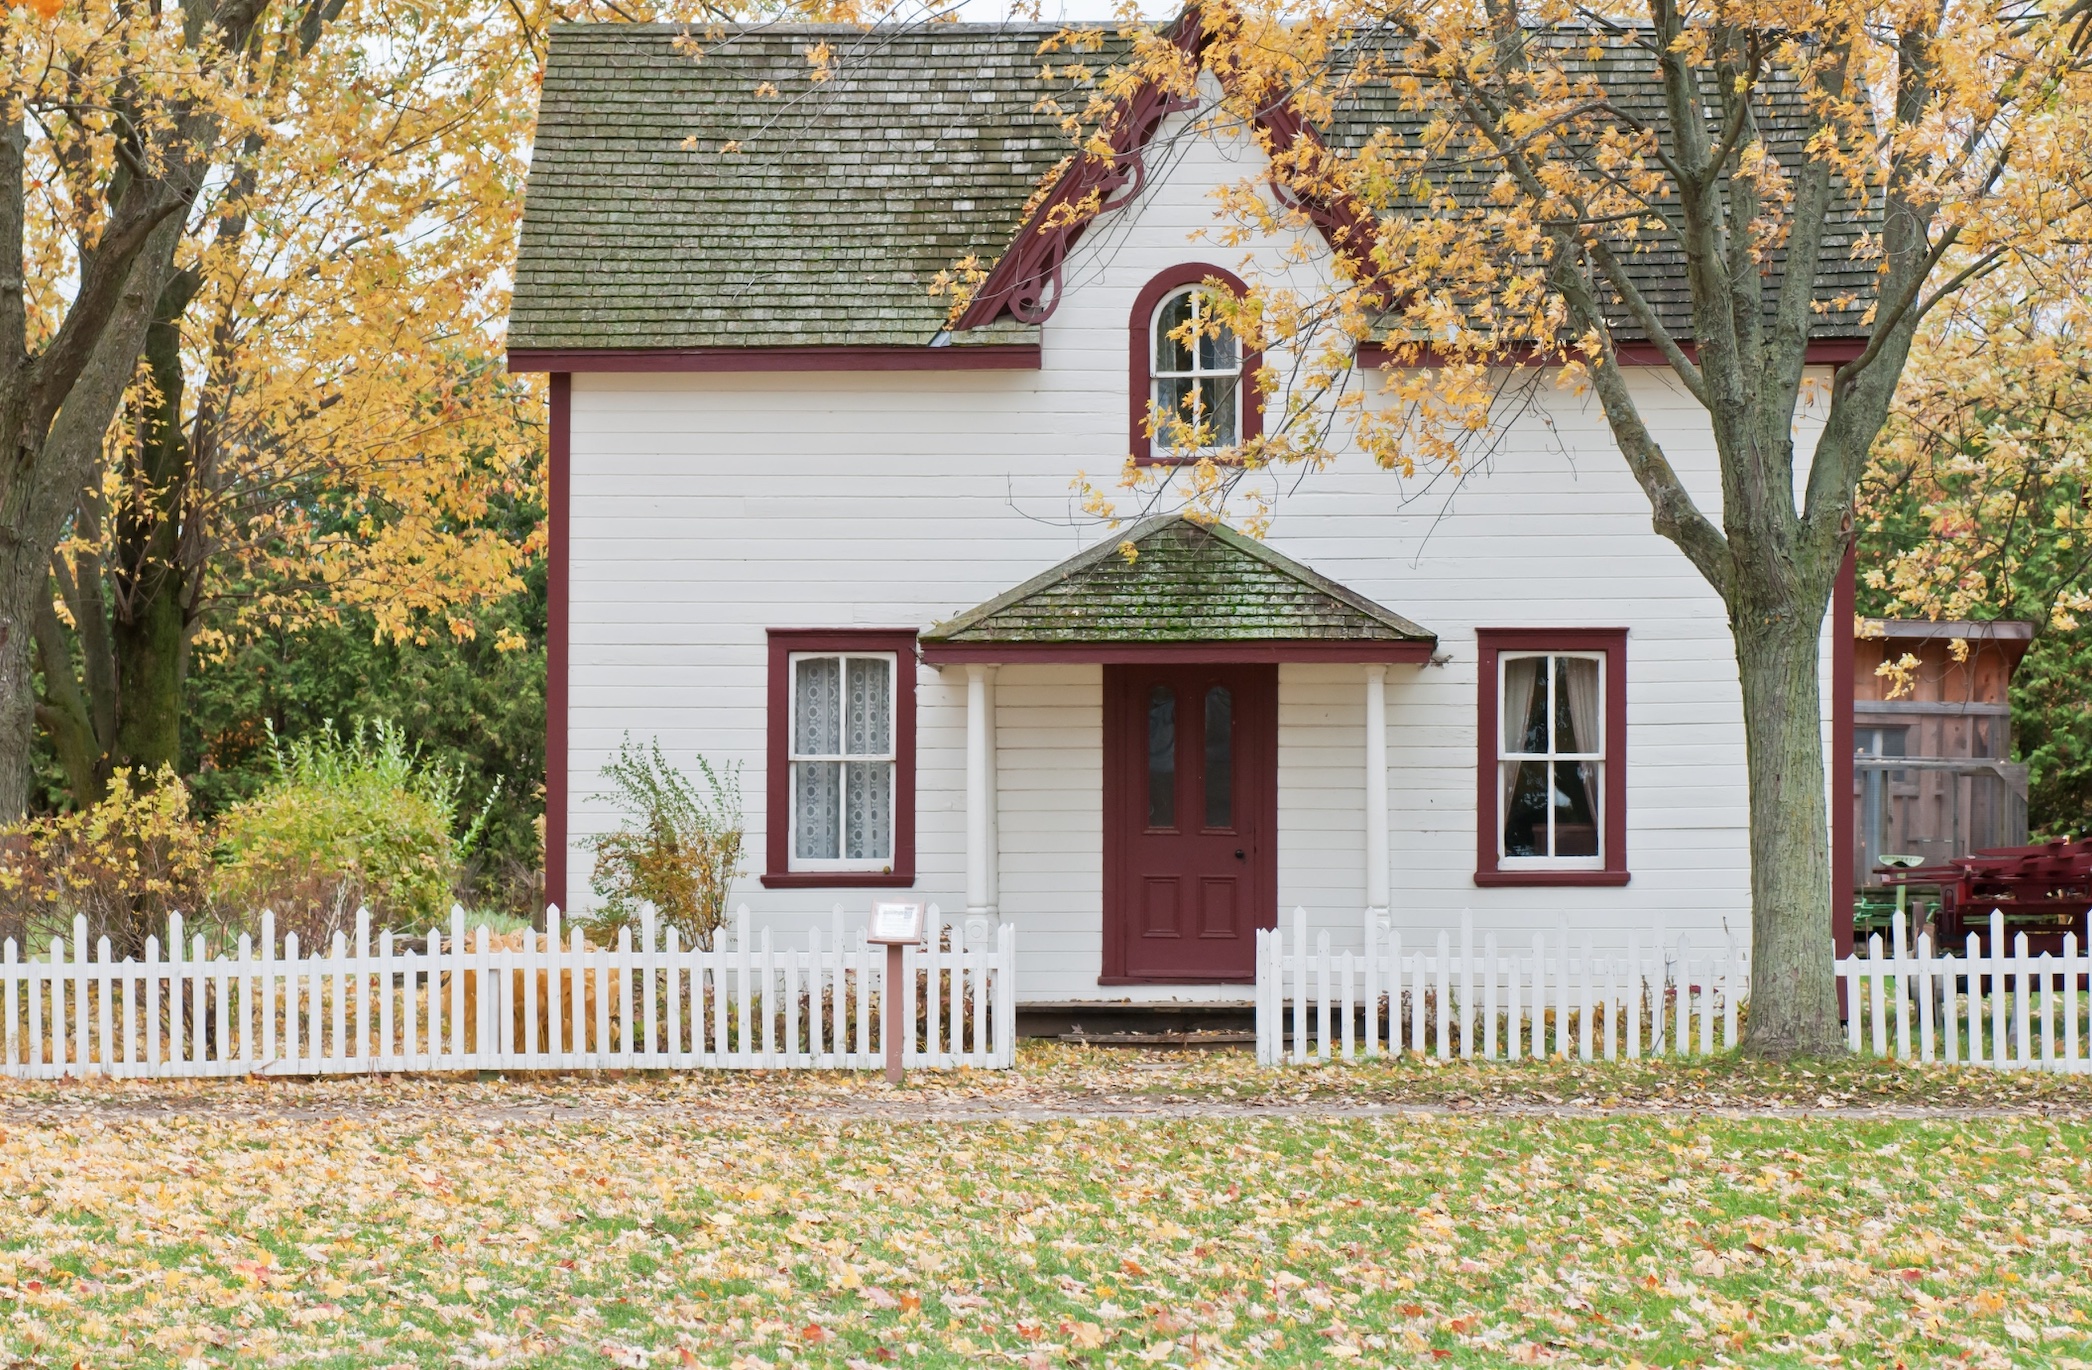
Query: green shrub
{"points": [[342, 824], [678, 850]]}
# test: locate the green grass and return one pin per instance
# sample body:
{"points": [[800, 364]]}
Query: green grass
{"points": [[698, 1221]]}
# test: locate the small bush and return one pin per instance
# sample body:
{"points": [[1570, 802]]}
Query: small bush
{"points": [[679, 850], [343, 824], [126, 863]]}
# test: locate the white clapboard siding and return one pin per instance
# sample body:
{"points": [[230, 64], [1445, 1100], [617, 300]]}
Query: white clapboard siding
{"points": [[534, 1001], [1996, 1004], [709, 508], [1457, 996]]}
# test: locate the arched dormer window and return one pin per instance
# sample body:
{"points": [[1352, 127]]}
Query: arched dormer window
{"points": [[1190, 376]]}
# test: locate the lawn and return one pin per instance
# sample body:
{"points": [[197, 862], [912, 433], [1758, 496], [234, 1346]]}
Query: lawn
{"points": [[1088, 1210]]}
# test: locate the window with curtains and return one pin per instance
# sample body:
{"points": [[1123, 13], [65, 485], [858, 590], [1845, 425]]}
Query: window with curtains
{"points": [[1551, 760], [843, 761]]}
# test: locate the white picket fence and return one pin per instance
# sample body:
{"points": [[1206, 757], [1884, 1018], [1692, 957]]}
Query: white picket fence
{"points": [[2000, 1007], [1561, 997], [528, 1001]]}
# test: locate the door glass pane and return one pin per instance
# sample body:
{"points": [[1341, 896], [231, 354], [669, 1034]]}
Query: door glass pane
{"points": [[1525, 808], [1220, 758], [818, 707], [1162, 757], [870, 717], [817, 795], [1575, 813]]}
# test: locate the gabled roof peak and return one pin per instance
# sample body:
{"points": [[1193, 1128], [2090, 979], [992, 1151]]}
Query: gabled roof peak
{"points": [[1186, 583]]}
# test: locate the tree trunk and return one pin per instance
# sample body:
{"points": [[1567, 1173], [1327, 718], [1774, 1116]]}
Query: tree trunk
{"points": [[148, 627], [1794, 1005]]}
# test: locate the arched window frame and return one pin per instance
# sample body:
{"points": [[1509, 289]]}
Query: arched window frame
{"points": [[1141, 353]]}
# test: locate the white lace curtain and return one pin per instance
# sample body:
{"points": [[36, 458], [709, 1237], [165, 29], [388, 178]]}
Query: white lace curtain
{"points": [[842, 758]]}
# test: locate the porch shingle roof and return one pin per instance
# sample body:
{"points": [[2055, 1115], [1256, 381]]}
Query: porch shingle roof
{"points": [[1187, 583]]}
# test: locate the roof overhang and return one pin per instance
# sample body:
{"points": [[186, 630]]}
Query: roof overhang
{"points": [[842, 357], [1210, 653]]}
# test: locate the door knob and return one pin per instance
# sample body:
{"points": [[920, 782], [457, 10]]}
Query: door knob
{"points": [[1239, 856]]}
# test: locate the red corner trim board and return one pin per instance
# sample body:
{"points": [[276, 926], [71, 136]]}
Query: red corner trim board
{"points": [[558, 482]]}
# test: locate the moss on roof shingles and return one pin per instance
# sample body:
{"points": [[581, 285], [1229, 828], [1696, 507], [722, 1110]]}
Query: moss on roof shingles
{"points": [[847, 196], [1186, 583]]}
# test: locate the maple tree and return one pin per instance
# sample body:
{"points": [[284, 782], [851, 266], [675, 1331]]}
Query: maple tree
{"points": [[1544, 151], [130, 108], [322, 414]]}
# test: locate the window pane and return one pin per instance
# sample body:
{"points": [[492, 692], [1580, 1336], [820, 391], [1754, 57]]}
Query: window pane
{"points": [[1525, 808], [1171, 354], [817, 710], [870, 717], [1525, 704], [869, 803], [816, 809], [1174, 411], [1576, 705], [1217, 410], [1162, 758], [1575, 815], [1216, 353], [1220, 758]]}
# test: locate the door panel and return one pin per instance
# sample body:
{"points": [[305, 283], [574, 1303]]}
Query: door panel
{"points": [[1190, 813], [1159, 906]]}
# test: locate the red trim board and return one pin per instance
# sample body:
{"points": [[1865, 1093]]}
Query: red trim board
{"points": [[1492, 643], [1827, 352], [841, 357], [558, 628], [1212, 653], [777, 766]]}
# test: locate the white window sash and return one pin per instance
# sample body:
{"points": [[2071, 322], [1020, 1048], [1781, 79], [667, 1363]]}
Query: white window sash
{"points": [[1504, 755], [1156, 336], [793, 758]]}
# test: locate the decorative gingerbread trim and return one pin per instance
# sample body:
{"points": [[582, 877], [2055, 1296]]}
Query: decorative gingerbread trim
{"points": [[1025, 282]]}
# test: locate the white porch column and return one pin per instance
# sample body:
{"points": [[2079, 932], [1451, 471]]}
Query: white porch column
{"points": [[1376, 800], [980, 792]]}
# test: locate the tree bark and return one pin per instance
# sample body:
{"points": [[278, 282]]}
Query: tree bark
{"points": [[1794, 1003], [150, 624], [46, 487]]}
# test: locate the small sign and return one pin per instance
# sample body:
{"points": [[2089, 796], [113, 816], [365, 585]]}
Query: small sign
{"points": [[896, 923]]}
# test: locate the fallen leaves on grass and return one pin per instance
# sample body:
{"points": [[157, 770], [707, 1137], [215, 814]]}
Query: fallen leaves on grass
{"points": [[653, 1239]]}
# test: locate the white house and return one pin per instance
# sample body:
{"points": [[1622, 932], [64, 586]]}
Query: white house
{"points": [[804, 522]]}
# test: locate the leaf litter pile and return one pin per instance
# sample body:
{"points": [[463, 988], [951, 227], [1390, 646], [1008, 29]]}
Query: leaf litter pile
{"points": [[762, 1222]]}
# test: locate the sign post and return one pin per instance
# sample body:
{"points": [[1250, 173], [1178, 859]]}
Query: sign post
{"points": [[894, 925]]}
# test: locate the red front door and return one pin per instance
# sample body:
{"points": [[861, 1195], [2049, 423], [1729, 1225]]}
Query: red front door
{"points": [[1190, 813]]}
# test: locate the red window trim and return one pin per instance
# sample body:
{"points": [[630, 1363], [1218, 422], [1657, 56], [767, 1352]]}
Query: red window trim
{"points": [[777, 816], [1139, 366], [1493, 643]]}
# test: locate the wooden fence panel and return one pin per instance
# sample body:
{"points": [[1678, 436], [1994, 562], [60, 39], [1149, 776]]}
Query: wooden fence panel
{"points": [[522, 1002]]}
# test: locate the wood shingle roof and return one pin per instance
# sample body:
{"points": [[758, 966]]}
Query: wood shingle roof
{"points": [[843, 197], [1187, 582]]}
